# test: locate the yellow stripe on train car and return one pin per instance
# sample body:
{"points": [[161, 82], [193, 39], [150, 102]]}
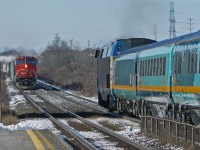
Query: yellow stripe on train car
{"points": [[124, 87], [184, 89]]}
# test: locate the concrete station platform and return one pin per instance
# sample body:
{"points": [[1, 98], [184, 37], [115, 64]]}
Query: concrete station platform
{"points": [[29, 140]]}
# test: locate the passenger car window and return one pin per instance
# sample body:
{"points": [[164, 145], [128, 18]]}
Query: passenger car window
{"points": [[164, 65]]}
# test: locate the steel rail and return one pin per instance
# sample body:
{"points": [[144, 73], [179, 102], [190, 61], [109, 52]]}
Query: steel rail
{"points": [[96, 126], [104, 110], [97, 108], [66, 128], [69, 93]]}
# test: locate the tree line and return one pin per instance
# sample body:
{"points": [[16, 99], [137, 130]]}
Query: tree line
{"points": [[65, 64]]}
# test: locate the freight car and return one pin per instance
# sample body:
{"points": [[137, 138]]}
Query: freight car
{"points": [[160, 79], [105, 58], [23, 72]]}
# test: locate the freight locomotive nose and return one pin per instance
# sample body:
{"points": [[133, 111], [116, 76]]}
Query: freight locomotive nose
{"points": [[23, 72]]}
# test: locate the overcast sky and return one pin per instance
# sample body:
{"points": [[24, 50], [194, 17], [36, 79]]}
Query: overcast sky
{"points": [[33, 23]]}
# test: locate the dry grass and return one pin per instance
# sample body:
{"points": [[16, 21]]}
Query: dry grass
{"points": [[4, 94], [8, 117], [188, 146], [79, 126], [165, 137], [5, 108], [116, 127]]}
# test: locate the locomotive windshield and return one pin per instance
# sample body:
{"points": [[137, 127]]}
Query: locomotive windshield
{"points": [[20, 61], [31, 61]]}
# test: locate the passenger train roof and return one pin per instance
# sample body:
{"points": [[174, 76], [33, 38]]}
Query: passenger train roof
{"points": [[186, 37]]}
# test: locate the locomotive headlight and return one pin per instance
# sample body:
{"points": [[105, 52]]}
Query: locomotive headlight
{"points": [[25, 65]]}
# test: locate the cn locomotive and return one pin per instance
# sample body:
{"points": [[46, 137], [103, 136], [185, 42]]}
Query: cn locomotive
{"points": [[160, 79], [23, 72]]}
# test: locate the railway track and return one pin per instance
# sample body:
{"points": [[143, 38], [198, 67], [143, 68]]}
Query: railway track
{"points": [[117, 137], [64, 95], [55, 97], [61, 125], [78, 141], [79, 100], [83, 101], [123, 140]]}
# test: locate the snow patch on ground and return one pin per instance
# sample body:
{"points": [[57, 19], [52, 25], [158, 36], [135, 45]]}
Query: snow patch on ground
{"points": [[55, 99], [69, 91], [123, 122], [11, 89], [36, 99], [95, 99], [99, 140], [16, 100], [28, 124]]}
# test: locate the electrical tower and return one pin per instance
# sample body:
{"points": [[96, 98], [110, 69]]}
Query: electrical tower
{"points": [[190, 24], [172, 29], [155, 31]]}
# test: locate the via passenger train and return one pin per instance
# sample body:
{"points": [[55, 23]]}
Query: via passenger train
{"points": [[161, 79]]}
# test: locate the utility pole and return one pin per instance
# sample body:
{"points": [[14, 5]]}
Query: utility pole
{"points": [[172, 29], [88, 44], [190, 23]]}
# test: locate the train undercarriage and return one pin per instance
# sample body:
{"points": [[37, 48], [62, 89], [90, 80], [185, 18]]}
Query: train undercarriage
{"points": [[183, 113], [26, 83]]}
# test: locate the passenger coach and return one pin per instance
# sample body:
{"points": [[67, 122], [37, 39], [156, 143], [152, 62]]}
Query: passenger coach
{"points": [[161, 79]]}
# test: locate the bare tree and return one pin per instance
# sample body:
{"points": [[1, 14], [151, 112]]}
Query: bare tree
{"points": [[66, 65]]}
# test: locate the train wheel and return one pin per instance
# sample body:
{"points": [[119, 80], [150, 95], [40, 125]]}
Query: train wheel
{"points": [[99, 99]]}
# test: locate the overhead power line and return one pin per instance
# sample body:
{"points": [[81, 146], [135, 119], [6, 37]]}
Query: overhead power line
{"points": [[189, 13]]}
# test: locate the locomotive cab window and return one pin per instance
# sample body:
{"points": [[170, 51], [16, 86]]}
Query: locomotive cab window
{"points": [[109, 51], [20, 61], [97, 53], [31, 61], [119, 47], [101, 53], [104, 52]]}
